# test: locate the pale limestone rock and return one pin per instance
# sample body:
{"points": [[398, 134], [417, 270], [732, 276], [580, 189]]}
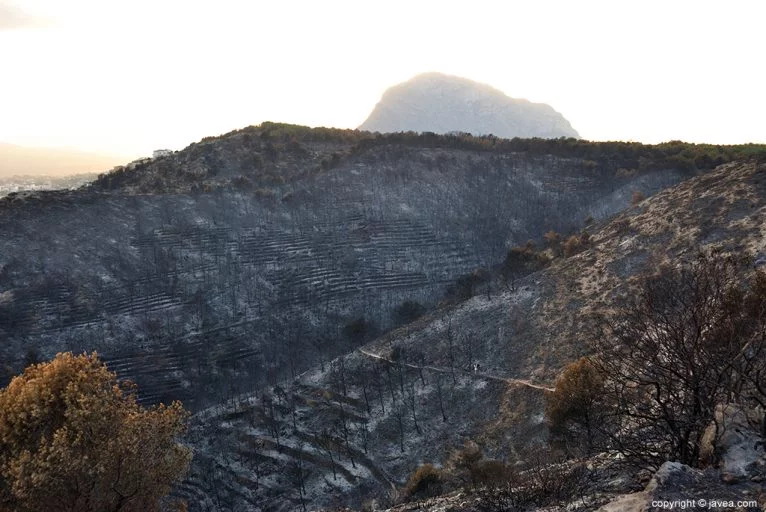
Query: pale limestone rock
{"points": [[433, 102]]}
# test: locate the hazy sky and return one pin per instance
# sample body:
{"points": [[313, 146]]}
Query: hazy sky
{"points": [[130, 77]]}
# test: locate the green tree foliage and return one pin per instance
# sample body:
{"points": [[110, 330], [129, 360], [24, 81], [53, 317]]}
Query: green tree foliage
{"points": [[73, 438]]}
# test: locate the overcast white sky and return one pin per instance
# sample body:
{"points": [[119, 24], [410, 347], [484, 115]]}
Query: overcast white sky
{"points": [[130, 77]]}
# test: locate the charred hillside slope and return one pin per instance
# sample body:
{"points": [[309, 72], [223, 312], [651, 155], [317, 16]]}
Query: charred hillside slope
{"points": [[243, 259], [354, 428]]}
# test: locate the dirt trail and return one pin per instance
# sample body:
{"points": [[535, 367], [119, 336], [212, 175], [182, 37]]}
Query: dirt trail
{"points": [[519, 382]]}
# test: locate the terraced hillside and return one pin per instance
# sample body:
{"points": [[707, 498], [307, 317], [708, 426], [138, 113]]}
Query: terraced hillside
{"points": [[201, 295], [246, 258], [345, 431]]}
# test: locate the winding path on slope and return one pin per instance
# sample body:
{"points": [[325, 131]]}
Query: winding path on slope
{"points": [[518, 382]]}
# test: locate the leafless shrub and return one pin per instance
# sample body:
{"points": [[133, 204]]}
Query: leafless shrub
{"points": [[692, 337], [546, 481]]}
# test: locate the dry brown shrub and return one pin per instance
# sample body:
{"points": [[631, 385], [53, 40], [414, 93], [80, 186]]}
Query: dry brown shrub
{"points": [[72, 438]]}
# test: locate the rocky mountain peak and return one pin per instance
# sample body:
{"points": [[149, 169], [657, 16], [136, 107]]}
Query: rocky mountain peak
{"points": [[442, 103]]}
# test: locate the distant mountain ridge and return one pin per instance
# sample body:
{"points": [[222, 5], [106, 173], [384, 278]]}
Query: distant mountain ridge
{"points": [[434, 102]]}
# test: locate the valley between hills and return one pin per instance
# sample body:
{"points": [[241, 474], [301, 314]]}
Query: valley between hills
{"points": [[338, 308]]}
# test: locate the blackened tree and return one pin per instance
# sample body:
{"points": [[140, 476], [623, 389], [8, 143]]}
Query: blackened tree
{"points": [[691, 338]]}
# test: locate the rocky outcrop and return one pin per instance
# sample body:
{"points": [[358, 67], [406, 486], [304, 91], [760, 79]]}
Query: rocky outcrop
{"points": [[676, 486], [433, 102], [735, 443]]}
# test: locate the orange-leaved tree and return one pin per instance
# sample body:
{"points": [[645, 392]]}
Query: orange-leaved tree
{"points": [[73, 438], [574, 408]]}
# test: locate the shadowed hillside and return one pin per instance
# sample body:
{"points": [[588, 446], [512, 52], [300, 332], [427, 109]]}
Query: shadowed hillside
{"points": [[246, 258], [252, 260], [349, 429]]}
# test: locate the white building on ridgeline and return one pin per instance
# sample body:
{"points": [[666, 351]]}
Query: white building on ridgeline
{"points": [[162, 152]]}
